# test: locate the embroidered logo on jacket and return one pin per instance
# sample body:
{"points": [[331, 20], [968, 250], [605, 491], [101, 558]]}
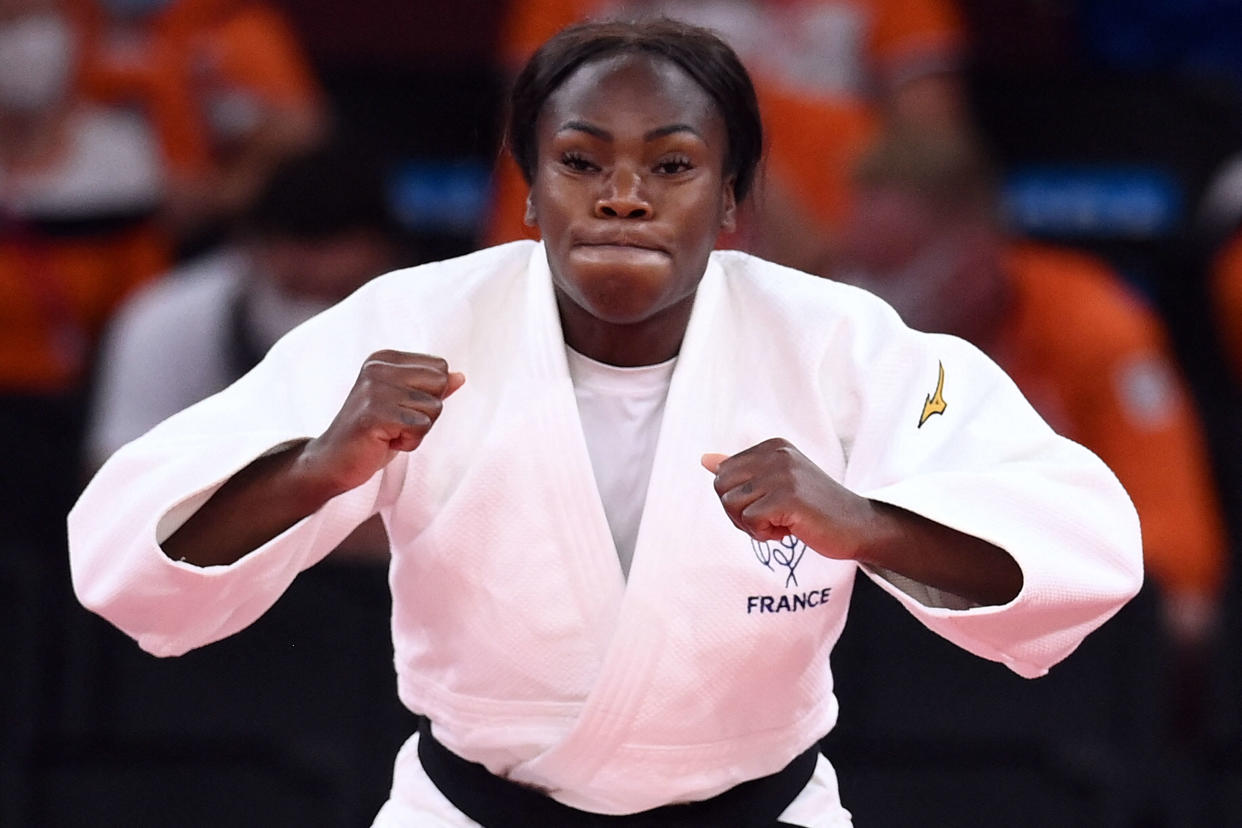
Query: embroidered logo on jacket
{"points": [[934, 404], [787, 554]]}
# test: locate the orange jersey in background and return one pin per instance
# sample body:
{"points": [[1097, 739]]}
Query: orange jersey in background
{"points": [[56, 295], [199, 69], [1095, 362]]}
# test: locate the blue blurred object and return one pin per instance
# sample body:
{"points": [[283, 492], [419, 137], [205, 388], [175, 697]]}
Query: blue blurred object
{"points": [[1093, 201], [441, 196]]}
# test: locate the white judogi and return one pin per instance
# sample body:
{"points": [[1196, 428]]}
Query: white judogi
{"points": [[514, 629]]}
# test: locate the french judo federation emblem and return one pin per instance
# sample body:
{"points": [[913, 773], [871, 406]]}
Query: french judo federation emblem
{"points": [[786, 553]]}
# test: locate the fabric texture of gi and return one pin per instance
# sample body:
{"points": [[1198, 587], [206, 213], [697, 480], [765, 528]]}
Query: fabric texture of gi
{"points": [[514, 630]]}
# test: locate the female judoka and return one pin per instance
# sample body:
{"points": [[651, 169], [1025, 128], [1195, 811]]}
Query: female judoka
{"points": [[592, 623]]}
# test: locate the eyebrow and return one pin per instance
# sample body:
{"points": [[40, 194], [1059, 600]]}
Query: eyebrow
{"points": [[650, 135]]}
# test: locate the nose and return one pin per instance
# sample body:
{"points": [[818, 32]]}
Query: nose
{"points": [[623, 196]]}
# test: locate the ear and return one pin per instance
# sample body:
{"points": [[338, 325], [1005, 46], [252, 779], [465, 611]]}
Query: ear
{"points": [[529, 217], [728, 217]]}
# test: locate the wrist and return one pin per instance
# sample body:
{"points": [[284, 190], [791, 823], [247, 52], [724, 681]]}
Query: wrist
{"points": [[312, 480], [879, 535]]}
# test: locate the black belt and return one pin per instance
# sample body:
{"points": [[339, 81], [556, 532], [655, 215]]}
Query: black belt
{"points": [[494, 802]]}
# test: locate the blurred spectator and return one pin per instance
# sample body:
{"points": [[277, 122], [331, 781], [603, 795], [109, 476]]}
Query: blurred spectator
{"points": [[1086, 351], [225, 86], [79, 184], [829, 74], [321, 227]]}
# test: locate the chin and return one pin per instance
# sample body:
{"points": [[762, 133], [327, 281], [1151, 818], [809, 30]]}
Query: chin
{"points": [[622, 310], [622, 297]]}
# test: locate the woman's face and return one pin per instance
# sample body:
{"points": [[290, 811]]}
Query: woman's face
{"points": [[629, 194]]}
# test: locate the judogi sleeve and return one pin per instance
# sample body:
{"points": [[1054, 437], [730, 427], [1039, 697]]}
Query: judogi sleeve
{"points": [[152, 485], [986, 464]]}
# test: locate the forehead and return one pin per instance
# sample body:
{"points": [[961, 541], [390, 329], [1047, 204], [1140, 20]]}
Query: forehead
{"points": [[640, 89]]}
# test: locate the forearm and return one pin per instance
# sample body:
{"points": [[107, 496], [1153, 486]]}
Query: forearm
{"points": [[938, 556], [771, 490], [253, 506]]}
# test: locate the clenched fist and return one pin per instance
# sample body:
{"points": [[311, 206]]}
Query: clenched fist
{"points": [[396, 399], [771, 490]]}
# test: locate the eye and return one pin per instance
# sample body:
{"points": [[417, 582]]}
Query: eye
{"points": [[673, 165], [577, 162]]}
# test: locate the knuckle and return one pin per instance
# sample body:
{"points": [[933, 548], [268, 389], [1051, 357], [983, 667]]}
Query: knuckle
{"points": [[373, 369], [413, 418], [777, 447], [439, 381], [385, 356], [360, 427]]}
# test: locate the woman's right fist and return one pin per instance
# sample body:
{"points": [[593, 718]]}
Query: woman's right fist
{"points": [[396, 399]]}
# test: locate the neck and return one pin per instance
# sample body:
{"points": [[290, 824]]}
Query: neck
{"points": [[649, 342]]}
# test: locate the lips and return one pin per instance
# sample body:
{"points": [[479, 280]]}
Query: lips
{"points": [[622, 242], [620, 254]]}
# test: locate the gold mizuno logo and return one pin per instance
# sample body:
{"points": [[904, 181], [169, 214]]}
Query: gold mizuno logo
{"points": [[934, 404]]}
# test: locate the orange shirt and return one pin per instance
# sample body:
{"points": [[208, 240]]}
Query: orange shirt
{"points": [[57, 293], [1094, 361], [76, 235], [194, 61], [816, 169]]}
